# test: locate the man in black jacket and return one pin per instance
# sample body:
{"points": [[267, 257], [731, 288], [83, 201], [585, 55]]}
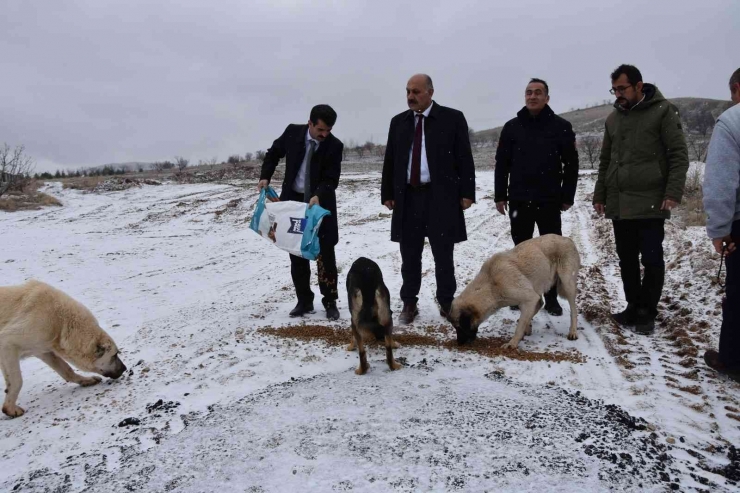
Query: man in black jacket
{"points": [[313, 158], [428, 180], [536, 171]]}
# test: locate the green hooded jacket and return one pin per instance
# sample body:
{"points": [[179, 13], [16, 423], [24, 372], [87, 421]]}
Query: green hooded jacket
{"points": [[644, 159]]}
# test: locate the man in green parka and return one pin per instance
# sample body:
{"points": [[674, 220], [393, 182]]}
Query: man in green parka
{"points": [[642, 172]]}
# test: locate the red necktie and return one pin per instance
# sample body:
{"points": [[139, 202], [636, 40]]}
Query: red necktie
{"points": [[416, 155]]}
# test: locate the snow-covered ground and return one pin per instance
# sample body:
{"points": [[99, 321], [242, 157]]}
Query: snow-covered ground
{"points": [[185, 289]]}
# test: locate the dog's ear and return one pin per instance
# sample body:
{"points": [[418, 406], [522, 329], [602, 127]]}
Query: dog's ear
{"points": [[100, 350], [463, 328]]}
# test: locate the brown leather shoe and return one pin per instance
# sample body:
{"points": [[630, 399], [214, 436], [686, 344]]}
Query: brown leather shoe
{"points": [[408, 314]]}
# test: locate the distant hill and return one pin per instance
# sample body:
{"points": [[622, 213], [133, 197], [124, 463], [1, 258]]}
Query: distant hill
{"points": [[698, 114], [131, 166]]}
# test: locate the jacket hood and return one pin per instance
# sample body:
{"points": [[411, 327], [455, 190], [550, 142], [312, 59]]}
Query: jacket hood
{"points": [[652, 95]]}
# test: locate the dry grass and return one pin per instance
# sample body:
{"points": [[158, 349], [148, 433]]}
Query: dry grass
{"points": [[485, 346], [83, 183], [691, 210], [29, 199], [693, 214], [691, 389]]}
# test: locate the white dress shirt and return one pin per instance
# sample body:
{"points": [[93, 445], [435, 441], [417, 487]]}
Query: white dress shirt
{"points": [[424, 177], [298, 184]]}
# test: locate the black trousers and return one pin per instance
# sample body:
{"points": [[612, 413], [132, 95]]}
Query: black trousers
{"points": [[641, 240], [524, 216], [326, 265], [416, 217], [729, 336]]}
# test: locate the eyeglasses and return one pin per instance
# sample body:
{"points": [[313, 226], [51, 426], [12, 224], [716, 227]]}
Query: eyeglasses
{"points": [[619, 89]]}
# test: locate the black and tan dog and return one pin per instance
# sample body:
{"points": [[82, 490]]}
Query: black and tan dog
{"points": [[370, 307]]}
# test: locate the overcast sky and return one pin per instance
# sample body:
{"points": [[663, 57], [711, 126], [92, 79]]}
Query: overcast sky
{"points": [[84, 83]]}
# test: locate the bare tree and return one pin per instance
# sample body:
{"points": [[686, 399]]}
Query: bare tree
{"points": [[360, 151], [349, 146], [494, 138], [248, 156], [472, 137], [590, 148], [158, 166], [380, 151], [181, 163], [698, 146], [213, 162], [259, 155], [15, 168]]}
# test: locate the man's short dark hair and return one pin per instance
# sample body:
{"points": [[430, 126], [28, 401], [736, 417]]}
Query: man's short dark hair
{"points": [[325, 113], [735, 79], [633, 75], [547, 88]]}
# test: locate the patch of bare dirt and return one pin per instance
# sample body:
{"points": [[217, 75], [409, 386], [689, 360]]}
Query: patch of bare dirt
{"points": [[240, 172], [118, 184], [231, 204]]}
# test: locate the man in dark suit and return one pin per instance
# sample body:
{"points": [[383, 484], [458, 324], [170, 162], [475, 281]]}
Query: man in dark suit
{"points": [[313, 158], [428, 180], [536, 171]]}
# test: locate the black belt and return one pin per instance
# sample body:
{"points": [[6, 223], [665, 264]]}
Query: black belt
{"points": [[421, 186]]}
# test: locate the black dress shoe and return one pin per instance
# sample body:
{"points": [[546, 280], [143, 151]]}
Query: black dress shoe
{"points": [[626, 317], [444, 309], [644, 323], [332, 313], [553, 307], [301, 309], [408, 314], [711, 358]]}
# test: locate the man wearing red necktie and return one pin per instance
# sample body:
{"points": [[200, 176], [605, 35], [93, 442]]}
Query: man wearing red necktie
{"points": [[428, 180]]}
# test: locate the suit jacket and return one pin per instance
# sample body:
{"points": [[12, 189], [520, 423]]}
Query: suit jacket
{"points": [[326, 166], [451, 170]]}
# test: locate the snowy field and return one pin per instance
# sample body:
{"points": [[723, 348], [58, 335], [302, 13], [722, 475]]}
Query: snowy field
{"points": [[187, 291]]}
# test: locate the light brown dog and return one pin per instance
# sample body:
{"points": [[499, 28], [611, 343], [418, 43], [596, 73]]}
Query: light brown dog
{"points": [[38, 320], [519, 276]]}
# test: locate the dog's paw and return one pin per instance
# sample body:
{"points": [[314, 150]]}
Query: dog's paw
{"points": [[528, 331], [13, 411], [396, 366], [510, 345], [89, 381], [360, 371], [351, 346], [395, 345], [572, 337]]}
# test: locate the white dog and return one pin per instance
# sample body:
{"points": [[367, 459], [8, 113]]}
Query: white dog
{"points": [[38, 320]]}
